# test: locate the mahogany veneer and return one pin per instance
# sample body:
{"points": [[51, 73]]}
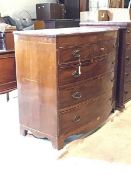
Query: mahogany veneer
{"points": [[65, 80]]}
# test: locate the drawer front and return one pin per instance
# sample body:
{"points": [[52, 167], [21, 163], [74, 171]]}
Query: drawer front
{"points": [[85, 90], [99, 66], [88, 38], [85, 52], [7, 69], [127, 91], [90, 113], [128, 32]]}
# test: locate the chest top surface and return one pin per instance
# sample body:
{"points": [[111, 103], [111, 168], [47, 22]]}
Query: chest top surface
{"points": [[65, 31]]}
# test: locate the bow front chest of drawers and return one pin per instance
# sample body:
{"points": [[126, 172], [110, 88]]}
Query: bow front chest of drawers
{"points": [[65, 80]]}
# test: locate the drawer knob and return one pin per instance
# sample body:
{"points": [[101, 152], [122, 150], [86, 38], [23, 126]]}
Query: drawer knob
{"points": [[127, 58], [112, 80], [76, 119], [128, 44], [115, 45], [76, 54], [127, 74], [76, 95], [126, 92], [128, 31], [75, 74], [76, 51], [102, 48]]}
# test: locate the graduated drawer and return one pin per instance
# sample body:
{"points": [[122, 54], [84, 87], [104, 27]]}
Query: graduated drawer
{"points": [[84, 90], [86, 115], [127, 91], [70, 73], [85, 52]]}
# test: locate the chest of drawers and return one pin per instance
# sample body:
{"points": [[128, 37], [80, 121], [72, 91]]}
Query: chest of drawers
{"points": [[123, 90], [65, 80]]}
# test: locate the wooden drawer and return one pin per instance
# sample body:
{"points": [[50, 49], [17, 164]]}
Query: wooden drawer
{"points": [[70, 73], [127, 91], [90, 38], [85, 90], [85, 52], [83, 115]]}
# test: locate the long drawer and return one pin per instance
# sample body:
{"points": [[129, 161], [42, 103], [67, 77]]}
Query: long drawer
{"points": [[84, 115], [127, 91], [70, 73], [75, 93], [85, 52]]}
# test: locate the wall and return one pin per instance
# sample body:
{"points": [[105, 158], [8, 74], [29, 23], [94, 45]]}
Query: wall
{"points": [[20, 8], [95, 4], [24, 8]]}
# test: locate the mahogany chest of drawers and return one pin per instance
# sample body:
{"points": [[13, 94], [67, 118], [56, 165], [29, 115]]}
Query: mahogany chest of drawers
{"points": [[65, 80], [123, 90]]}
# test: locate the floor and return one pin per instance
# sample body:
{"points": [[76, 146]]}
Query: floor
{"points": [[106, 152]]}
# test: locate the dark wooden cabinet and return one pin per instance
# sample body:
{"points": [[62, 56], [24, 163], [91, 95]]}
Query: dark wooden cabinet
{"points": [[61, 23], [7, 71], [123, 90], [7, 62], [48, 11], [65, 80], [72, 9]]}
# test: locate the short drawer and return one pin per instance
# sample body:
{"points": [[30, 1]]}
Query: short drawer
{"points": [[101, 65], [127, 91], [85, 52], [87, 114], [84, 90]]}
